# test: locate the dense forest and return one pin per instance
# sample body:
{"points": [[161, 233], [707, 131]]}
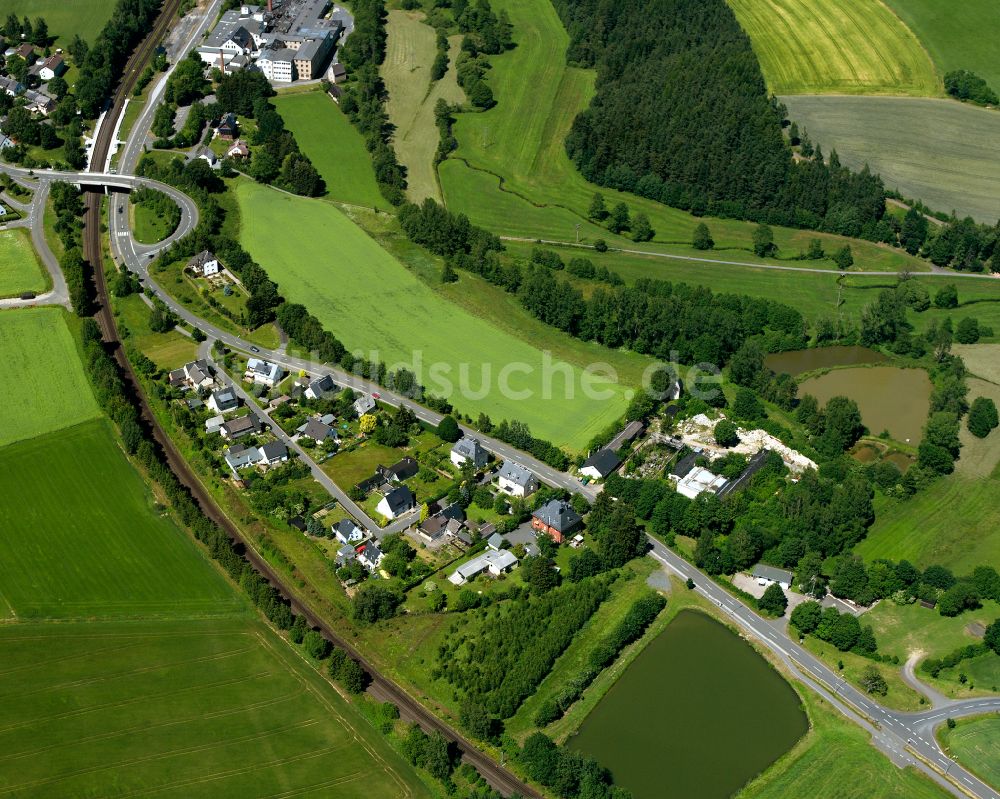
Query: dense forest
{"points": [[682, 116]]}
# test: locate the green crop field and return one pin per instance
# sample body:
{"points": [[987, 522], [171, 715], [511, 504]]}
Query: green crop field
{"points": [[412, 96], [40, 360], [841, 46], [938, 151], [65, 18], [955, 522], [836, 760], [200, 709], [975, 743], [378, 307], [82, 539], [951, 32], [20, 269], [511, 173], [334, 146]]}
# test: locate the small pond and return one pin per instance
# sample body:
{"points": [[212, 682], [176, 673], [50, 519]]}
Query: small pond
{"points": [[698, 714], [795, 362], [888, 397]]}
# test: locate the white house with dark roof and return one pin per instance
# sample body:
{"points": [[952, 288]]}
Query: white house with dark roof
{"points": [[242, 426], [205, 264], [198, 374], [600, 464], [468, 448], [370, 556], [52, 66], [346, 531], [319, 387], [364, 404], [396, 501], [769, 575], [516, 480], [496, 562], [263, 372], [273, 452], [223, 400]]}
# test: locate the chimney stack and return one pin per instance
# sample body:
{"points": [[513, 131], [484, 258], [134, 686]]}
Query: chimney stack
{"points": [[222, 63], [270, 6]]}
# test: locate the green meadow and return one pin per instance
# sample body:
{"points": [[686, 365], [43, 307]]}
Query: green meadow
{"points": [[65, 18], [511, 173], [20, 269], [950, 32], [333, 145], [975, 743], [40, 359], [378, 307]]}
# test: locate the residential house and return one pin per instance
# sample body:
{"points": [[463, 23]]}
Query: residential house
{"points": [[396, 501], [557, 519], [683, 466], [495, 541], [516, 480], [347, 531], [208, 156], [600, 464], [10, 86], [364, 404], [52, 66], [370, 556], [228, 128], [456, 532], [27, 52], [213, 424], [699, 480], [768, 575], [436, 525], [346, 554], [496, 562], [468, 448], [263, 373], [273, 452], [317, 431], [223, 400], [403, 470], [320, 387], [337, 73], [242, 426], [205, 264], [239, 457], [238, 150], [39, 102], [194, 374]]}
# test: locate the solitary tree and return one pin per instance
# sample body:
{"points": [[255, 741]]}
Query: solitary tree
{"points": [[763, 241], [815, 251], [725, 434], [702, 239], [873, 682], [598, 210], [619, 219], [982, 417], [843, 258], [367, 423], [447, 429], [641, 229], [774, 600], [947, 297]]}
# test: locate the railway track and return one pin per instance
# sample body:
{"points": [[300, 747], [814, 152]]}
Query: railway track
{"points": [[381, 688]]}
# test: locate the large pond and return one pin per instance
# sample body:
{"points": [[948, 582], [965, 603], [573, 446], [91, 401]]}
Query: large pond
{"points": [[697, 714], [888, 397], [796, 362]]}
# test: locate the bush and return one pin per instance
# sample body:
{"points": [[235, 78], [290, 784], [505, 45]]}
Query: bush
{"points": [[354, 678], [774, 600], [316, 646], [982, 417], [375, 602], [873, 682], [725, 434]]}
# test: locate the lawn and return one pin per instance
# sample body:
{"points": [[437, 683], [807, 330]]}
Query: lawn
{"points": [[837, 46], [938, 151], [380, 309], [835, 760], [955, 522], [20, 269], [904, 629], [84, 540], [511, 173], [65, 18], [950, 32], [218, 708], [975, 743], [347, 469], [168, 350], [148, 226], [412, 96], [49, 388], [334, 146]]}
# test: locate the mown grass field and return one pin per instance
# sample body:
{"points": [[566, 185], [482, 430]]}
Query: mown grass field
{"points": [[835, 760], [378, 307], [412, 96], [48, 389], [83, 539], [148, 226], [20, 269], [938, 151], [333, 144], [951, 33], [199, 709], [65, 18], [511, 173], [840, 46], [168, 350], [955, 522], [904, 629], [975, 743]]}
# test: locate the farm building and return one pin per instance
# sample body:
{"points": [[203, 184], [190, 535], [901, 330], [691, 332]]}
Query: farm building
{"points": [[699, 480]]}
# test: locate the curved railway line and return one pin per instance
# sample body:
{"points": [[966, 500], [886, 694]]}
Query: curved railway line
{"points": [[381, 688]]}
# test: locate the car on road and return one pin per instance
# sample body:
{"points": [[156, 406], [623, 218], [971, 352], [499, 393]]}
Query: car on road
{"points": [[254, 349], [376, 395], [28, 295], [121, 208]]}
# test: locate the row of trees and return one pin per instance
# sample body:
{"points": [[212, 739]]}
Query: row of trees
{"points": [[17, 30]]}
